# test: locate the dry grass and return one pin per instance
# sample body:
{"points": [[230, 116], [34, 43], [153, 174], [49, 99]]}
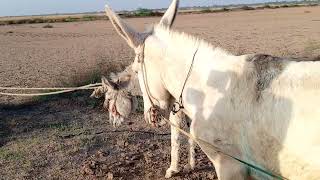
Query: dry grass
{"points": [[312, 47], [48, 26]]}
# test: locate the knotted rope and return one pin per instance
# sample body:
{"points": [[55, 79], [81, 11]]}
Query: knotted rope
{"points": [[57, 90]]}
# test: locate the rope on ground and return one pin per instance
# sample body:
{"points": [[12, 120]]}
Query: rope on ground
{"points": [[61, 90]]}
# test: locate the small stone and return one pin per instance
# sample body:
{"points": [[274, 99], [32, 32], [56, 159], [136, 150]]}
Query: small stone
{"points": [[93, 164], [121, 143], [123, 155], [126, 144], [109, 176], [135, 157]]}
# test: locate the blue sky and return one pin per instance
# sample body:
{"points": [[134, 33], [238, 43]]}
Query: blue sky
{"points": [[37, 7]]}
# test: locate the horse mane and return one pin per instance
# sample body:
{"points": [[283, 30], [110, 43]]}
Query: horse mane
{"points": [[189, 42]]}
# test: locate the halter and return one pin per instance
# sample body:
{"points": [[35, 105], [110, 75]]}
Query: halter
{"points": [[154, 111]]}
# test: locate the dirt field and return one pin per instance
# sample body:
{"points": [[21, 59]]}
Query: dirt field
{"points": [[69, 137]]}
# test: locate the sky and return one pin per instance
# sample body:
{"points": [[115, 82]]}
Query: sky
{"points": [[38, 7]]}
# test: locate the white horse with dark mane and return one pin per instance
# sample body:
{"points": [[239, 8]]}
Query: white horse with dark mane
{"points": [[258, 108]]}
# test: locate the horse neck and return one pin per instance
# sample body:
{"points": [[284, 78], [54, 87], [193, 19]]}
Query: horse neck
{"points": [[175, 68], [201, 60]]}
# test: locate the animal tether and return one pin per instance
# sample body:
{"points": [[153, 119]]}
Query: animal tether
{"points": [[178, 105]]}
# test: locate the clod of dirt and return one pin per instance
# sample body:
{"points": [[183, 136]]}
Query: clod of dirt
{"points": [[122, 143], [135, 157], [89, 168], [102, 155]]}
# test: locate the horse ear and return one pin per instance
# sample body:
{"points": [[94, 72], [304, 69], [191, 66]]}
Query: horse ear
{"points": [[170, 15], [97, 93], [107, 84], [133, 38]]}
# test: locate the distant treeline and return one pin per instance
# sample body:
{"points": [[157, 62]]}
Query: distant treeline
{"points": [[141, 12]]}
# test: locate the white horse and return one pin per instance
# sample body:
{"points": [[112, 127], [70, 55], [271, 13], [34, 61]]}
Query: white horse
{"points": [[261, 109]]}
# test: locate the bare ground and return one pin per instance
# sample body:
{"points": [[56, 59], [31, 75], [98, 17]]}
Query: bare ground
{"points": [[69, 137]]}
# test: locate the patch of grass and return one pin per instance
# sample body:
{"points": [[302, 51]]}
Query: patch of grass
{"points": [[70, 130], [142, 12], [312, 47], [50, 19], [89, 18], [314, 4], [247, 8], [206, 10], [39, 20], [225, 9], [85, 141], [140, 107], [284, 6], [47, 26], [90, 142], [71, 19], [18, 151], [221, 10], [266, 6], [11, 155], [93, 102], [312, 50], [59, 127]]}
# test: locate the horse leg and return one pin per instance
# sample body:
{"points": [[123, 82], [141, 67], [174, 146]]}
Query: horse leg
{"points": [[110, 118], [192, 145], [191, 164], [226, 167], [229, 169], [175, 144]]}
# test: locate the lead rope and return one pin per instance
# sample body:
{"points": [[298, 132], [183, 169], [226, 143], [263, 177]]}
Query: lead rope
{"points": [[61, 90], [178, 105]]}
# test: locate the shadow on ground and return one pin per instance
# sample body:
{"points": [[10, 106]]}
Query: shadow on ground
{"points": [[69, 137]]}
